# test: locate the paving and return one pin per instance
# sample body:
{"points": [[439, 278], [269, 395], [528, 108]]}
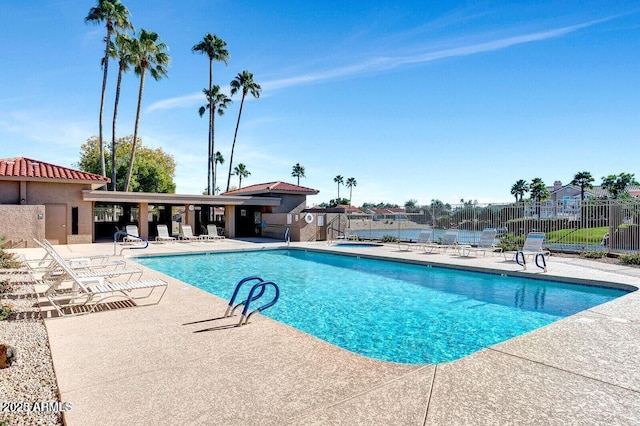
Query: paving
{"points": [[178, 362]]}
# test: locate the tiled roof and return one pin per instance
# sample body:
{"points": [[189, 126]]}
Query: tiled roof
{"points": [[351, 209], [22, 167], [273, 187]]}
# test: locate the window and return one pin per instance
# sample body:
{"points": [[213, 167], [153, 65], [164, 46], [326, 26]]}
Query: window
{"points": [[74, 220]]}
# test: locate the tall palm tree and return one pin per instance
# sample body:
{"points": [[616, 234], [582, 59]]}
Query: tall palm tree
{"points": [[116, 17], [123, 53], [216, 102], [217, 159], [214, 48], [519, 189], [244, 82], [241, 171], [339, 180], [351, 182], [148, 53], [583, 180], [298, 171]]}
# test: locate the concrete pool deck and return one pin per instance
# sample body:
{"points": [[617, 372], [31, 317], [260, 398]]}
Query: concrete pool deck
{"points": [[176, 363]]}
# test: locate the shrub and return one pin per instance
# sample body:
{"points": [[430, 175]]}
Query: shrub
{"points": [[5, 311], [389, 239], [630, 259], [511, 243], [7, 260], [593, 254], [6, 287]]}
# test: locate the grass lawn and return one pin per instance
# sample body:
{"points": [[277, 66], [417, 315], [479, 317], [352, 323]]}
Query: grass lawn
{"points": [[584, 235]]}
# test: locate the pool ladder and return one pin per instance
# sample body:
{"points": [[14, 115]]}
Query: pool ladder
{"points": [[520, 260], [256, 292]]}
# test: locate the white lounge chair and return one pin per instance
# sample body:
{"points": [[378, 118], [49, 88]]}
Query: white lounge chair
{"points": [[425, 238], [55, 274], [187, 234], [212, 231], [448, 241], [532, 247], [87, 293], [163, 234], [486, 243], [134, 234]]}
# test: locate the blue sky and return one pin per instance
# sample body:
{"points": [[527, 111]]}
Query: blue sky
{"points": [[415, 100]]}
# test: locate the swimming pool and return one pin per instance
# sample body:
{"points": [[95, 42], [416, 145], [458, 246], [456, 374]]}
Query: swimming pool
{"points": [[389, 310]]}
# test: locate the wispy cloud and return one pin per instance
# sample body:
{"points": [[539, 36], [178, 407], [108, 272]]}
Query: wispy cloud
{"points": [[386, 63]]}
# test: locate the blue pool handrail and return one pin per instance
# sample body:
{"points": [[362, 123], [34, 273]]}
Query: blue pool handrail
{"points": [[544, 262], [230, 307], [123, 233], [521, 260], [244, 319]]}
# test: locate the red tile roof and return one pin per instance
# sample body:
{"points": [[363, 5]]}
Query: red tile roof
{"points": [[274, 188], [22, 167]]}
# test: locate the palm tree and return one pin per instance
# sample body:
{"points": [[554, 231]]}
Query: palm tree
{"points": [[115, 16], [519, 189], [298, 171], [243, 81], [339, 180], [351, 182], [539, 191], [583, 180], [217, 159], [148, 53], [216, 102], [241, 171], [123, 53], [214, 48]]}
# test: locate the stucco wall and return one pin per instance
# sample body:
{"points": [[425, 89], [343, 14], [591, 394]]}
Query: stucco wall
{"points": [[9, 192], [22, 223], [71, 195]]}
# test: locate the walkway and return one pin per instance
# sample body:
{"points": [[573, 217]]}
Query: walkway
{"points": [[171, 364]]}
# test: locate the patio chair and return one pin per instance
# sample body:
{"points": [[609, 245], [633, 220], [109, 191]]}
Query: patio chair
{"points": [[88, 293], [532, 247], [163, 234], [486, 243], [212, 231], [424, 238], [134, 234], [449, 241], [187, 234], [56, 274], [46, 263]]}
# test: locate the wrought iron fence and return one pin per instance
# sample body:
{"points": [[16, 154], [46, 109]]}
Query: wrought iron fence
{"points": [[569, 225]]}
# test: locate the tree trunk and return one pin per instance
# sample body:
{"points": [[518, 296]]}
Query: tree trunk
{"points": [[104, 89], [233, 146], [210, 176], [113, 131], [135, 132]]}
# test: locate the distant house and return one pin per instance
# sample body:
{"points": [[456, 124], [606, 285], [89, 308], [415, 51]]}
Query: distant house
{"points": [[566, 193], [388, 214]]}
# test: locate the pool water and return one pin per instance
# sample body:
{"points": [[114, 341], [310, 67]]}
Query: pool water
{"points": [[387, 310]]}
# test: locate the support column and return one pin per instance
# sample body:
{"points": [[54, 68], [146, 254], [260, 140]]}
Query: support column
{"points": [[190, 217], [143, 220], [230, 221]]}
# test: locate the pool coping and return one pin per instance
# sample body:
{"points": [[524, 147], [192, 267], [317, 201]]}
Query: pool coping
{"points": [[579, 369]]}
